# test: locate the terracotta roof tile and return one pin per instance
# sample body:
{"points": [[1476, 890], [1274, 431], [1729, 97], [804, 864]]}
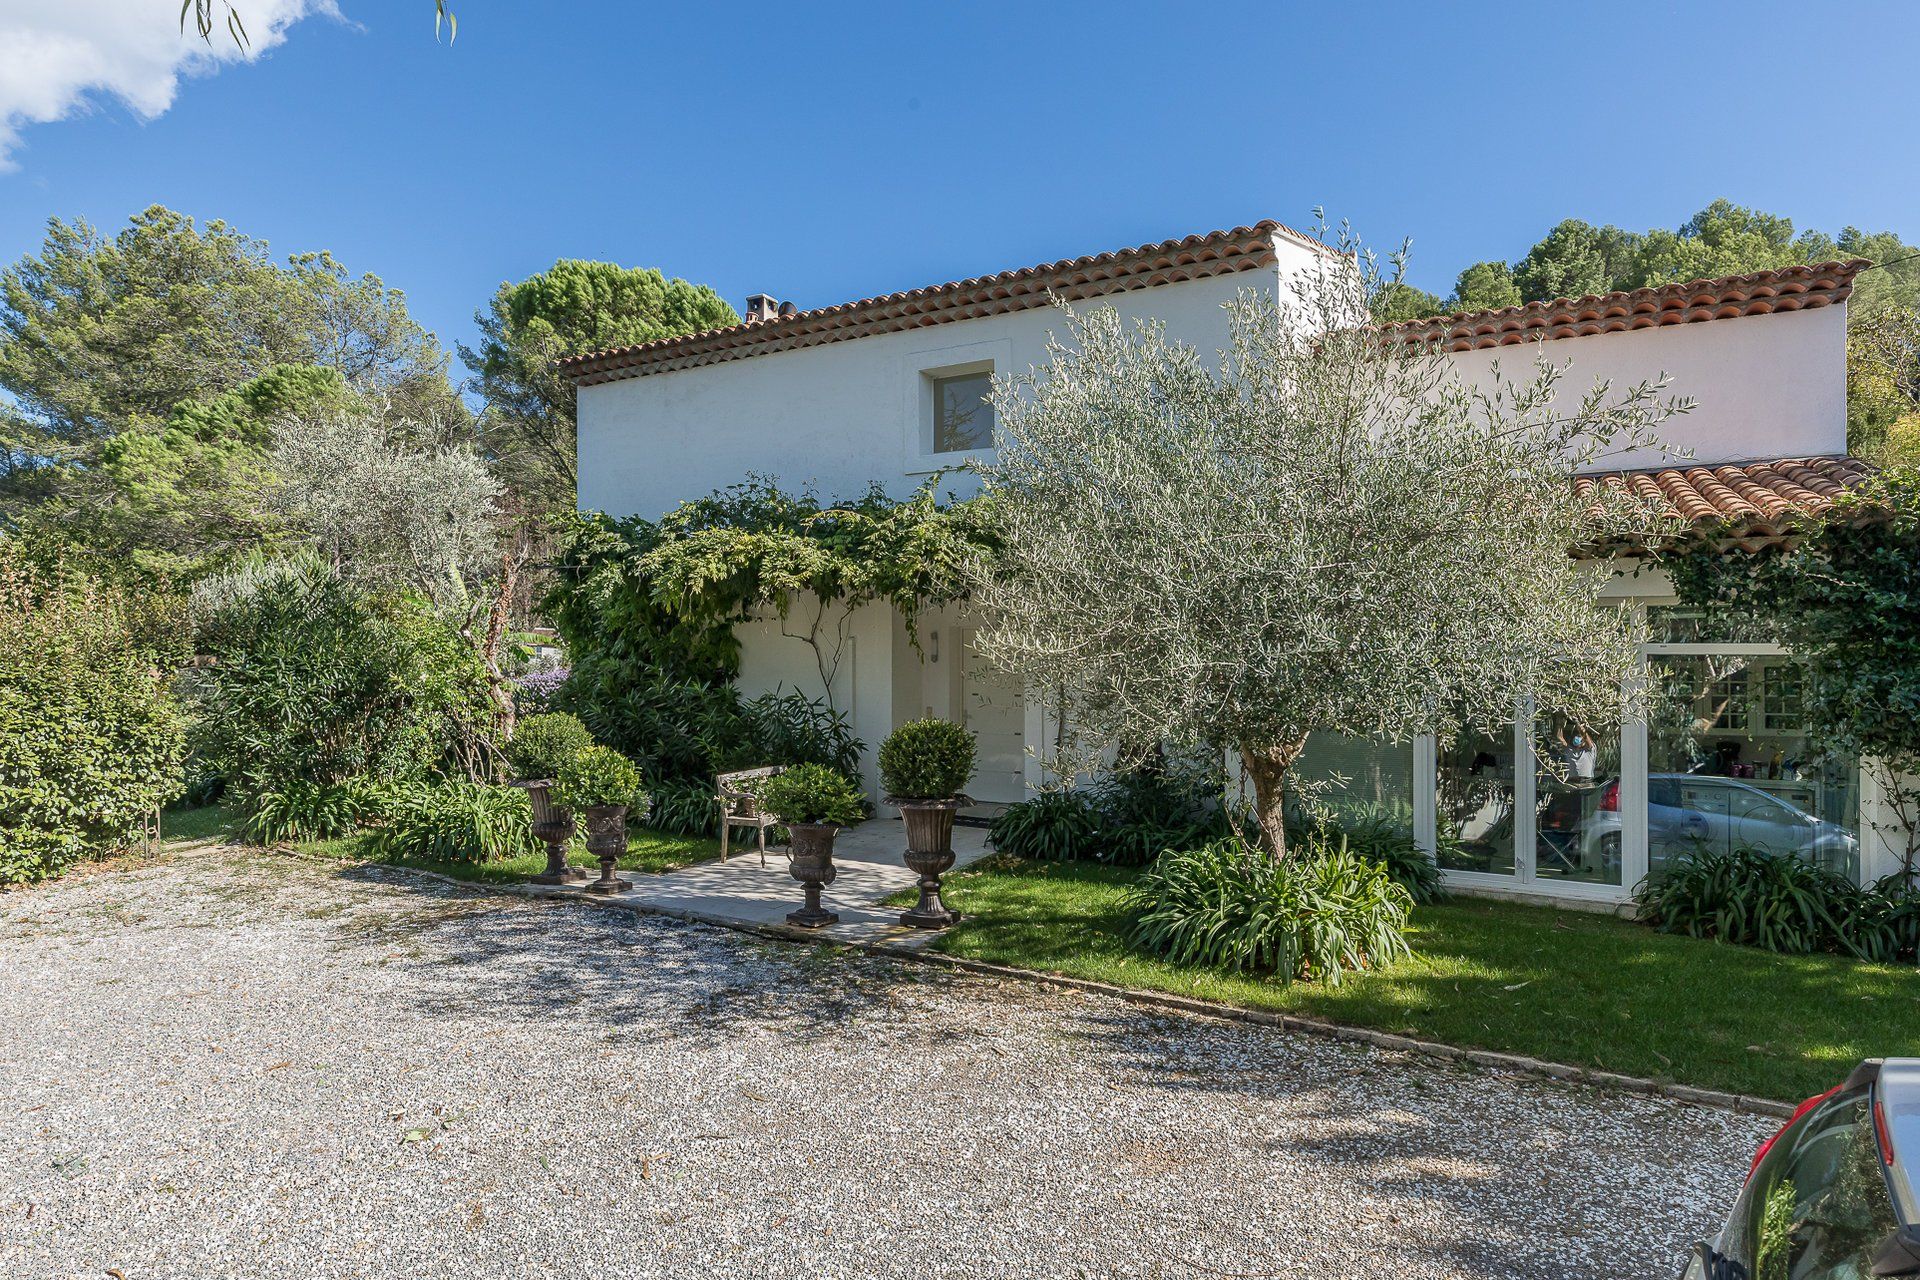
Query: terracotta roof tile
{"points": [[1759, 293], [1193, 258], [1757, 502]]}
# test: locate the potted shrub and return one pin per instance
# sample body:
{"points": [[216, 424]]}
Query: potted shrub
{"points": [[601, 785], [924, 763], [539, 746], [813, 802]]}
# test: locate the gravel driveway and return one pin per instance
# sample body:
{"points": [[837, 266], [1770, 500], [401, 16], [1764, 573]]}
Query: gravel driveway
{"points": [[233, 1065]]}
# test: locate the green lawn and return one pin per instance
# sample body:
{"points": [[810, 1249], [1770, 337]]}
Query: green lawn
{"points": [[647, 850], [209, 822], [1568, 986]]}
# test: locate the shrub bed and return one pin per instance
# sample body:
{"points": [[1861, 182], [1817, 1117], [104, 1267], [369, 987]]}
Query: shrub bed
{"points": [[1784, 904], [1126, 819], [312, 686], [459, 822]]}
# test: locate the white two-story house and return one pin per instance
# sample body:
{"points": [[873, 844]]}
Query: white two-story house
{"points": [[892, 389]]}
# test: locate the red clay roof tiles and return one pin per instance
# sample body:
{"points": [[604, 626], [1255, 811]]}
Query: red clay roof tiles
{"points": [[1759, 501], [1758, 293], [1193, 258]]}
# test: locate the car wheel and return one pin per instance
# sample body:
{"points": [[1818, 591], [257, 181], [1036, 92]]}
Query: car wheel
{"points": [[1609, 847]]}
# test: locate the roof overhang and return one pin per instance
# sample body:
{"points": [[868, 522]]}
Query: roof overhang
{"points": [[1198, 257]]}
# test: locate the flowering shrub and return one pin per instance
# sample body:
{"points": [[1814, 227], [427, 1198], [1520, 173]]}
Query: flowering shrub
{"points": [[533, 692]]}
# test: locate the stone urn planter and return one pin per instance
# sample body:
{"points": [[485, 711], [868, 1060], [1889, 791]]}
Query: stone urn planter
{"points": [[607, 840], [810, 859], [600, 785], [924, 764], [813, 802], [929, 855], [553, 826], [541, 748]]}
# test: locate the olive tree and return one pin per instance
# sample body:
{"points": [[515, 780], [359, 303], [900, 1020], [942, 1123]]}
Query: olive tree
{"points": [[390, 505], [1327, 530]]}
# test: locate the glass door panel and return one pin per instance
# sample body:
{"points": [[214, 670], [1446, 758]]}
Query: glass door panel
{"points": [[1577, 829], [1729, 765], [1475, 818]]}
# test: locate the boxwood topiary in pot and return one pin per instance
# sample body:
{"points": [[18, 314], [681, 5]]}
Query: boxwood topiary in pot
{"points": [[813, 802], [602, 785], [541, 744], [924, 763], [539, 747]]}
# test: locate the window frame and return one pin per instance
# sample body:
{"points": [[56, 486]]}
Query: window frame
{"points": [[937, 382], [916, 371]]}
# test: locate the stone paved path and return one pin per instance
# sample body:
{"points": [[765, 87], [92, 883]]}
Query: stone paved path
{"points": [[868, 870]]}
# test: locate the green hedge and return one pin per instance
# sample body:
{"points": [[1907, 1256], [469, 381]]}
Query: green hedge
{"points": [[91, 741]]}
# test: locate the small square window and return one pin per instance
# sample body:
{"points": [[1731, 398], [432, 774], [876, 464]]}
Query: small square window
{"points": [[963, 413]]}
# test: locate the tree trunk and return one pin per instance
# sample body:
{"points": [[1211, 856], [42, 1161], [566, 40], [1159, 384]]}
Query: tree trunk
{"points": [[1267, 767]]}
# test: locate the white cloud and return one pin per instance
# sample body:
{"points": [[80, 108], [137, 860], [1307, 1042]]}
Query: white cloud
{"points": [[60, 58]]}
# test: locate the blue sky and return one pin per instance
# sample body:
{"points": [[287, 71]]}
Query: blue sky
{"points": [[821, 153]]}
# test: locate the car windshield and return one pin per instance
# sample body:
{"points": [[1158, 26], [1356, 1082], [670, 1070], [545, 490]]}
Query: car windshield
{"points": [[1817, 1208]]}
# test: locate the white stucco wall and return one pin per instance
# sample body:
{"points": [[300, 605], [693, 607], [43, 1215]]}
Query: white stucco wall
{"points": [[840, 416], [771, 660], [1766, 386]]}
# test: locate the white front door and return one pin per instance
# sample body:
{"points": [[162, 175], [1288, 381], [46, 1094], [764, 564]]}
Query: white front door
{"points": [[993, 708]]}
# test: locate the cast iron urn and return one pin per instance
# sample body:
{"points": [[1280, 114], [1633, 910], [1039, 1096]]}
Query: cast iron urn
{"points": [[607, 840], [930, 855], [553, 826], [810, 859]]}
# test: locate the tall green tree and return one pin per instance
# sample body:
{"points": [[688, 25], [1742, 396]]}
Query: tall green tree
{"points": [[1575, 259], [179, 498], [569, 309], [1485, 286], [1397, 301], [99, 334], [1723, 239]]}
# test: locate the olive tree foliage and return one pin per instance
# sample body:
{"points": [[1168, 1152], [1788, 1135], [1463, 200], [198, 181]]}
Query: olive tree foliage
{"points": [[1322, 532], [390, 505]]}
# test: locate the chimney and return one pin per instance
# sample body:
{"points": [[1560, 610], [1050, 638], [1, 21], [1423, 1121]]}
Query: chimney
{"points": [[761, 307]]}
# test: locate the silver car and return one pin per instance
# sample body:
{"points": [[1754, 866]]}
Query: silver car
{"points": [[1831, 1196], [1687, 811]]}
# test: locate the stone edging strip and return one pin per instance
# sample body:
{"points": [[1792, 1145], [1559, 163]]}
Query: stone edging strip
{"points": [[1738, 1103]]}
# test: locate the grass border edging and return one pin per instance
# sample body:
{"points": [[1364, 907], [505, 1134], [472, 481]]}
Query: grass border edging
{"points": [[1741, 1104]]}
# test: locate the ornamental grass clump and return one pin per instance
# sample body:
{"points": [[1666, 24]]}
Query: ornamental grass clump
{"points": [[1377, 836], [298, 810], [1317, 915], [542, 744], [812, 794], [1053, 826], [460, 822], [1778, 902], [927, 760]]}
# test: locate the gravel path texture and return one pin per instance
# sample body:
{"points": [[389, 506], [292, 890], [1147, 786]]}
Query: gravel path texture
{"points": [[244, 1065]]}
